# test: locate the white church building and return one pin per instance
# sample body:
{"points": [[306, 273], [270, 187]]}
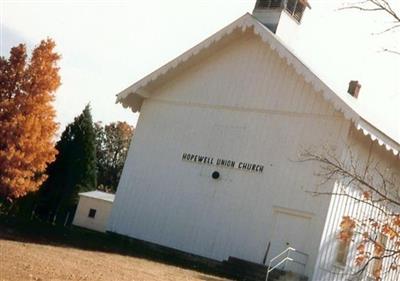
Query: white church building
{"points": [[212, 167]]}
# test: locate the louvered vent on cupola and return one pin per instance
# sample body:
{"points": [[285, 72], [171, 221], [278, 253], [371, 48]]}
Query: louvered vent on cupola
{"points": [[295, 8]]}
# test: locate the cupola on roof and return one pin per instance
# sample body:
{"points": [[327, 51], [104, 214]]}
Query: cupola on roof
{"points": [[282, 17]]}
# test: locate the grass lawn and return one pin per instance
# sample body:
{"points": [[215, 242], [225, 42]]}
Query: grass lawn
{"points": [[34, 251]]}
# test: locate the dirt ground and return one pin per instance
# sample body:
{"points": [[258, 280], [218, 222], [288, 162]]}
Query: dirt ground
{"points": [[20, 261]]}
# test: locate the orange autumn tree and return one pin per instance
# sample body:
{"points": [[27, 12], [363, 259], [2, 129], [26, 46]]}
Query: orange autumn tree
{"points": [[374, 232], [371, 224], [27, 118]]}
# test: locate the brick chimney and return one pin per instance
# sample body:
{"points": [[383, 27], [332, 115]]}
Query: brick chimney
{"points": [[354, 88]]}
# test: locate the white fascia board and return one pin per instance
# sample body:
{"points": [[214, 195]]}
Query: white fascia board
{"points": [[134, 95]]}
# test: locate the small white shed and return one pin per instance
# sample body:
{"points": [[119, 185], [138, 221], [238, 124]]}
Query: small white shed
{"points": [[93, 210]]}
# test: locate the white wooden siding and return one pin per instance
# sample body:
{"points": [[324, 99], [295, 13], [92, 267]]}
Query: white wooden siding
{"points": [[242, 103], [99, 222], [362, 149], [245, 74]]}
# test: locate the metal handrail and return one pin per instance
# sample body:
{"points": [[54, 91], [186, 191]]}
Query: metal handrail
{"points": [[285, 260], [287, 250], [278, 264], [301, 263], [301, 253]]}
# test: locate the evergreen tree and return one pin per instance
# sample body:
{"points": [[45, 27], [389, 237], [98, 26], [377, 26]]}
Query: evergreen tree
{"points": [[84, 151], [73, 171]]}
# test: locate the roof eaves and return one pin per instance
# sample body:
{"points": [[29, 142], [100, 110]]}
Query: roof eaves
{"points": [[376, 135], [133, 89], [137, 94]]}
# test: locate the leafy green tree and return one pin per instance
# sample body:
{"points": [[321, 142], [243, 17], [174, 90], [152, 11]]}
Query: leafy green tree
{"points": [[112, 144]]}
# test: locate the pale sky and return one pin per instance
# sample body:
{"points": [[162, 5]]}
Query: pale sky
{"points": [[108, 45]]}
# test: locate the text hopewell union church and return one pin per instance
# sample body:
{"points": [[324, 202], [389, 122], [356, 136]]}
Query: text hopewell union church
{"points": [[211, 170]]}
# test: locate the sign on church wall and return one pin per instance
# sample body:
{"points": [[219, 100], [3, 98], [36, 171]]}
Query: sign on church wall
{"points": [[201, 159]]}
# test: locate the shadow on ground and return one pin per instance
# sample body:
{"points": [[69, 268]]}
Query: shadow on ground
{"points": [[32, 231], [208, 278]]}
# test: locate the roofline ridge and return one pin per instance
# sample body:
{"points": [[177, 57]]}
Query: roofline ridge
{"points": [[247, 21]]}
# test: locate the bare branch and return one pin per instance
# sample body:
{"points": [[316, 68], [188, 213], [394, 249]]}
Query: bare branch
{"points": [[377, 6], [391, 51], [374, 188]]}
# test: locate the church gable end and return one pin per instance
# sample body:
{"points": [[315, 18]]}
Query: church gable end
{"points": [[243, 73]]}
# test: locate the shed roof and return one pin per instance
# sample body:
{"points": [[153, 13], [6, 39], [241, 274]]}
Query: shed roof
{"points": [[96, 194], [134, 95]]}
